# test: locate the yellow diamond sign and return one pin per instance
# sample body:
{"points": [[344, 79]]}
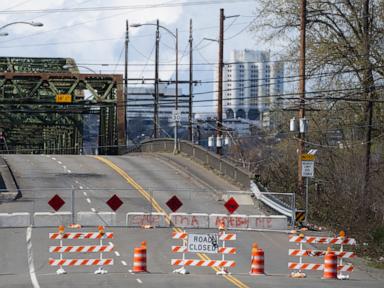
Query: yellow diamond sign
{"points": [[63, 98]]}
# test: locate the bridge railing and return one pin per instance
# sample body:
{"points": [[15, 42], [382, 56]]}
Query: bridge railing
{"points": [[223, 166]]}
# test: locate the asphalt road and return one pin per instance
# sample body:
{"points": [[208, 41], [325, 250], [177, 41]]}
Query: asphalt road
{"points": [[40, 177]]}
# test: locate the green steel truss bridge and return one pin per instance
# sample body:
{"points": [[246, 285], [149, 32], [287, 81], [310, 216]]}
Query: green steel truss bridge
{"points": [[31, 119]]}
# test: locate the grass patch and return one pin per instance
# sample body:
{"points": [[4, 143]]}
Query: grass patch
{"points": [[377, 265]]}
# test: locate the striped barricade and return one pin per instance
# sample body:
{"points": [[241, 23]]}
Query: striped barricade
{"points": [[81, 235], [80, 262], [227, 236], [189, 246], [220, 250], [341, 254], [83, 249], [319, 253], [100, 248], [203, 263], [318, 267], [322, 240], [179, 235]]}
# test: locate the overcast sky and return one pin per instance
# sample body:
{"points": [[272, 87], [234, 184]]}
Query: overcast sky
{"points": [[97, 36]]}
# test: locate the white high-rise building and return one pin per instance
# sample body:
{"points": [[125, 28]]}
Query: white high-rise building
{"points": [[251, 84]]}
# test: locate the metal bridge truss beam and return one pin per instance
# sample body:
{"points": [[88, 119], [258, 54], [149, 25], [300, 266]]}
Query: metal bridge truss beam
{"points": [[32, 120]]}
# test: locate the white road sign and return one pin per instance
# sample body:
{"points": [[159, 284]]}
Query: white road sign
{"points": [[203, 243], [307, 169], [176, 116]]}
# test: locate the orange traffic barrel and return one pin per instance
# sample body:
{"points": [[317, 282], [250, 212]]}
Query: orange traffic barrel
{"points": [[140, 258], [257, 261], [330, 266]]}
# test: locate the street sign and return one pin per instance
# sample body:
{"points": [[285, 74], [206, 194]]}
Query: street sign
{"points": [[300, 216], [231, 205], [63, 98], [203, 243], [308, 169], [307, 157], [114, 202], [174, 203], [176, 116], [56, 202]]}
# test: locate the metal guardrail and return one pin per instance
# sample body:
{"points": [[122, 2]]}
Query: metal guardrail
{"points": [[276, 204]]}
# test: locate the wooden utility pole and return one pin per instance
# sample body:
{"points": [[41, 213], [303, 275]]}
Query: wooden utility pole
{"points": [[190, 116], [301, 146], [368, 87], [219, 125]]}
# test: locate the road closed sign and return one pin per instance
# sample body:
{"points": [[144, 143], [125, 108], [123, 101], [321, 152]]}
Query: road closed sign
{"points": [[203, 243]]}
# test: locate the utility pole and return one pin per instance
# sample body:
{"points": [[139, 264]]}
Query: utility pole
{"points": [[369, 87], [126, 73], [175, 150], [219, 125], [156, 102], [177, 70], [190, 116], [303, 19]]}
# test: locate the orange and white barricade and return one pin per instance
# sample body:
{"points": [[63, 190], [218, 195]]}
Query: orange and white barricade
{"points": [[301, 252], [61, 249], [223, 250]]}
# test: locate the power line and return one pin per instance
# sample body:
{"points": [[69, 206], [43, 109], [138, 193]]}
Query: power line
{"points": [[125, 7]]}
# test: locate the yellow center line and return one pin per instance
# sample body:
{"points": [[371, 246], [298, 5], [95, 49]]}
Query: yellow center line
{"points": [[158, 208]]}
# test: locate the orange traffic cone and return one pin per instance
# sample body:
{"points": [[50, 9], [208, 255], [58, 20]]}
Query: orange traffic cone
{"points": [[257, 261], [221, 225], [140, 258], [330, 265]]}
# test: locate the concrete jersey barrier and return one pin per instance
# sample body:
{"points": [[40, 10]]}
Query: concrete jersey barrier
{"points": [[96, 218], [49, 219], [194, 220], [139, 219], [22, 219]]}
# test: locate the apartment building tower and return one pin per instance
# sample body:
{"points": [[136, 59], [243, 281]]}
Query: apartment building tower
{"points": [[251, 85]]}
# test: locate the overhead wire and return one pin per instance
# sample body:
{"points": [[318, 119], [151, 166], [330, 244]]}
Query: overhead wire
{"points": [[94, 20], [125, 7]]}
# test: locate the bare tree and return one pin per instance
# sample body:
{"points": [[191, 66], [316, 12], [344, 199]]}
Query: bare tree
{"points": [[344, 46]]}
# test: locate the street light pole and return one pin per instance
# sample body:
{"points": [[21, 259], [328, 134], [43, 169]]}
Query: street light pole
{"points": [[155, 116], [175, 148], [126, 74], [190, 82], [156, 104], [35, 24]]}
